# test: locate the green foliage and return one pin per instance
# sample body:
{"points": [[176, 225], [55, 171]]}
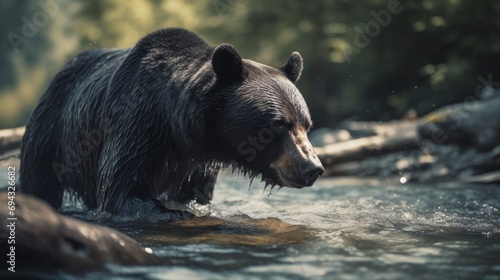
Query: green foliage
{"points": [[429, 54]]}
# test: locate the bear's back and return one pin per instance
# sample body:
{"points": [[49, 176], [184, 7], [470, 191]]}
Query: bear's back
{"points": [[175, 42]]}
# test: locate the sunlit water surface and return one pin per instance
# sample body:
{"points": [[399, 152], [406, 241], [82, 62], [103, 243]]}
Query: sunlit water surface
{"points": [[338, 229]]}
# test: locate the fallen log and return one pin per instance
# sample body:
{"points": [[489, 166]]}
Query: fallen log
{"points": [[10, 139], [358, 149]]}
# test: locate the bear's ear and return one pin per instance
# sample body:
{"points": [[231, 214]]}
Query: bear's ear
{"points": [[227, 63], [293, 67]]}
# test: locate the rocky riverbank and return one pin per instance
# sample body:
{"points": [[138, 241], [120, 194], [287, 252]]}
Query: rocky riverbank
{"points": [[458, 142]]}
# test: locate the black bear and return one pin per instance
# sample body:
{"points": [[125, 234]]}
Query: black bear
{"points": [[120, 127]]}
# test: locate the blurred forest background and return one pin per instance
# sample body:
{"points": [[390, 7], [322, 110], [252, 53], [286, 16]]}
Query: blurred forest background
{"points": [[431, 53]]}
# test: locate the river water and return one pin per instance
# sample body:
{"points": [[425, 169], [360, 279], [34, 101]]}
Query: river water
{"points": [[343, 228]]}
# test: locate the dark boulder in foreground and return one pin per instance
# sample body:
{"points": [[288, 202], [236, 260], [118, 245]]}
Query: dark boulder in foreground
{"points": [[47, 241]]}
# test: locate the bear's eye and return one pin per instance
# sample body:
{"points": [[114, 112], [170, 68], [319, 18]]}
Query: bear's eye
{"points": [[279, 124]]}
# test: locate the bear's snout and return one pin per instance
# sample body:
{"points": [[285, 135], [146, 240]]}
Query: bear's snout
{"points": [[310, 171], [299, 166]]}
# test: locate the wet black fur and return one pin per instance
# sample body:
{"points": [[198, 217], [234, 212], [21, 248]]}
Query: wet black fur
{"points": [[121, 126]]}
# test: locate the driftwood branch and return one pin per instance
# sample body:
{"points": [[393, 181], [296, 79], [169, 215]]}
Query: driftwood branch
{"points": [[10, 139], [358, 149], [361, 148]]}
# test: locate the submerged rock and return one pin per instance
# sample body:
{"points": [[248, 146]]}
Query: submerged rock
{"points": [[241, 229], [48, 241]]}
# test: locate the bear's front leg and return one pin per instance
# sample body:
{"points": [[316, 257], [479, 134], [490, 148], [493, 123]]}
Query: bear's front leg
{"points": [[125, 197], [129, 181], [198, 186], [150, 210]]}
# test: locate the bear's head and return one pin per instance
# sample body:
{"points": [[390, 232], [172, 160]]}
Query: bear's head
{"points": [[259, 119]]}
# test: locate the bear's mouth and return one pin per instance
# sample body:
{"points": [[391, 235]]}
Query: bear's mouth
{"points": [[287, 182]]}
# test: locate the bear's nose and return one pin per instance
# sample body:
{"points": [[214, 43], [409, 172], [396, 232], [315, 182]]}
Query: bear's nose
{"points": [[310, 172]]}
